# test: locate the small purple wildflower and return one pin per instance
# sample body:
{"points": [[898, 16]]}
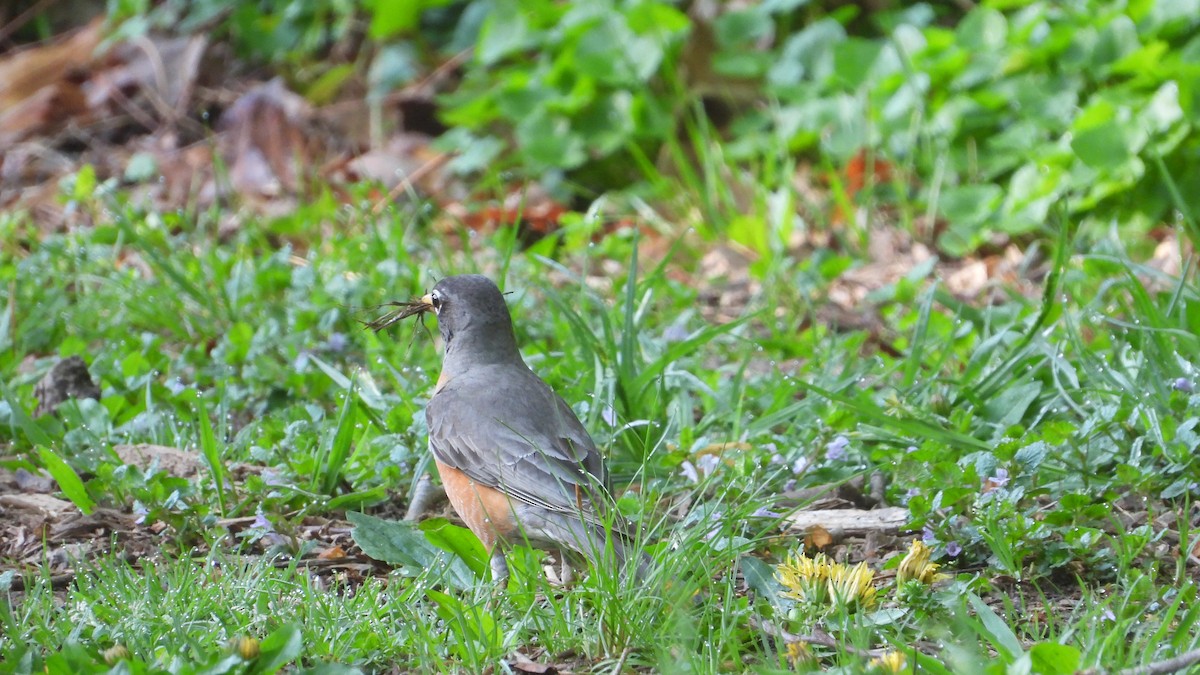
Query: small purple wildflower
{"points": [[176, 386], [301, 362], [928, 536], [953, 549], [1108, 615], [836, 449], [337, 342], [1183, 384], [609, 415], [261, 522], [799, 466], [778, 459], [909, 494], [789, 485], [273, 477], [140, 510], [764, 512], [770, 447], [911, 449], [675, 333], [688, 470], [707, 464], [1000, 479]]}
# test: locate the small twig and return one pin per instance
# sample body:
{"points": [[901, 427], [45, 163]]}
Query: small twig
{"points": [[1171, 665], [407, 308], [621, 661]]}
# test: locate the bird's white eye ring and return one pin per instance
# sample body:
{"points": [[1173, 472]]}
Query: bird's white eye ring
{"points": [[435, 299]]}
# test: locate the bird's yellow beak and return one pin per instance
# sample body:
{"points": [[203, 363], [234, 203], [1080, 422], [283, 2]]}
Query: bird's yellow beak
{"points": [[426, 300]]}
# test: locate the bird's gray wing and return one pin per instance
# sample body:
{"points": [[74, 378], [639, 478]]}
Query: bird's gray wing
{"points": [[508, 430]]}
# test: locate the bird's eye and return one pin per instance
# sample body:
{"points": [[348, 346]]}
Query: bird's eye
{"points": [[436, 299]]}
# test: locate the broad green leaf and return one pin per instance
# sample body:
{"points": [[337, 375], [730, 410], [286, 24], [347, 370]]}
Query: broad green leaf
{"points": [[991, 627], [1103, 147], [457, 540], [277, 649], [390, 18], [401, 543], [854, 59], [983, 30], [68, 481], [1048, 658]]}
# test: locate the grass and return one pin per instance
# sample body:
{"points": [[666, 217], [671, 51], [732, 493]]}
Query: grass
{"points": [[1045, 448]]}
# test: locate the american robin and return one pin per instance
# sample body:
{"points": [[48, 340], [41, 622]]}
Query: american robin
{"points": [[515, 461]]}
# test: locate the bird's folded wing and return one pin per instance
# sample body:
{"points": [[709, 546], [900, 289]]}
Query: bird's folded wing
{"points": [[532, 447]]}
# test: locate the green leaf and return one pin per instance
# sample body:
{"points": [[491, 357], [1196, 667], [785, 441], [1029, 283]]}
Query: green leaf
{"points": [[1009, 407], [738, 28], [1031, 456], [1103, 147], [401, 543], [392, 67], [1049, 658], [339, 447], [983, 30], [390, 18], [472, 622], [457, 540], [211, 452], [506, 30], [68, 481], [993, 629], [760, 577], [33, 433], [326, 87], [853, 60], [276, 650]]}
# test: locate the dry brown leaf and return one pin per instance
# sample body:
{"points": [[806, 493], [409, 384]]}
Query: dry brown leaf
{"points": [[264, 140], [42, 111], [332, 553], [523, 664], [24, 73], [817, 538]]}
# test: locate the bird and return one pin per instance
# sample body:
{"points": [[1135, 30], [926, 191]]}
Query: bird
{"points": [[516, 463]]}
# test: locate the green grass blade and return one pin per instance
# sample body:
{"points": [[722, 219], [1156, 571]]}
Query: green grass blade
{"points": [[212, 453], [994, 629], [907, 427], [339, 448]]}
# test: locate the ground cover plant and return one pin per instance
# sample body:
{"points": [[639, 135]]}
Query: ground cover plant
{"points": [[929, 269]]}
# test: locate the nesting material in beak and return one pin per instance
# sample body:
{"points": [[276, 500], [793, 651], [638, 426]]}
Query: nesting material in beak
{"points": [[405, 309]]}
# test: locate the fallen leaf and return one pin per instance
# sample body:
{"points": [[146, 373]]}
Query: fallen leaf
{"points": [[817, 538], [332, 553]]}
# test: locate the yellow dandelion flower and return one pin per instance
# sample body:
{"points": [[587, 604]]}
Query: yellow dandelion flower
{"points": [[890, 662], [916, 565], [798, 652], [853, 587], [804, 577], [245, 647]]}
